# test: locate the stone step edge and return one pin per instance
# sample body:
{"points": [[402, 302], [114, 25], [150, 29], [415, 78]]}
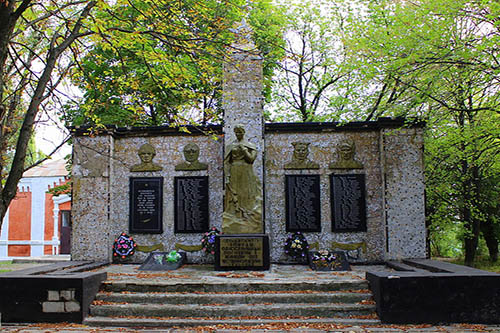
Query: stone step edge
{"points": [[233, 286], [131, 295], [244, 292], [148, 282], [169, 322], [218, 306], [224, 310]]}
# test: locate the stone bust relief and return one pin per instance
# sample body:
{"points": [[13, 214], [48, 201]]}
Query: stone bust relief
{"points": [[191, 154], [146, 154], [345, 152], [300, 158]]}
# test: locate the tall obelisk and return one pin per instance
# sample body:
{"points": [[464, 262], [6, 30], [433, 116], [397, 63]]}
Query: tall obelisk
{"points": [[242, 102], [243, 244]]}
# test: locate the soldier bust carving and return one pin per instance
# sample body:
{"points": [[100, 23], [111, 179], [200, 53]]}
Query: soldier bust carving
{"points": [[191, 154], [146, 154], [345, 151], [300, 157]]}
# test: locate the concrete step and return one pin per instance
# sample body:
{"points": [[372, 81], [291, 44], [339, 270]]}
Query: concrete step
{"points": [[194, 322], [162, 286], [234, 298], [228, 310]]}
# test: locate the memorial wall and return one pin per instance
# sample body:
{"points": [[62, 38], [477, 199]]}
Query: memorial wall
{"points": [[358, 185], [349, 205]]}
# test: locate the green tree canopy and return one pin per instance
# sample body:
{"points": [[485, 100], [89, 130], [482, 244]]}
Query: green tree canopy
{"points": [[35, 37], [312, 79], [160, 62], [438, 60]]}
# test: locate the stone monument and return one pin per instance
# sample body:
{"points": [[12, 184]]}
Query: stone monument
{"points": [[243, 191], [356, 186], [300, 158], [345, 151], [243, 245]]}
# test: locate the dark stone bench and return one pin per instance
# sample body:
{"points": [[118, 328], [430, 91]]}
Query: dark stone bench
{"points": [[59, 292], [429, 291]]}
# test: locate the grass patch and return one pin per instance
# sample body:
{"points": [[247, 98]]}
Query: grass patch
{"points": [[481, 263], [5, 266]]}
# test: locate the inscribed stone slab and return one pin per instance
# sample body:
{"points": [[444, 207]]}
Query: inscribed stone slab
{"points": [[348, 202], [191, 204], [303, 206], [146, 197], [242, 252]]}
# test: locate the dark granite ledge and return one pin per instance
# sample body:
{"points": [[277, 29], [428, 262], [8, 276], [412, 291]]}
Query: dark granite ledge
{"points": [[430, 291], [285, 127], [60, 292]]}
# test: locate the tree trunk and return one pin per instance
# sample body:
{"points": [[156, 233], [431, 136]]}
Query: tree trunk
{"points": [[491, 239], [9, 190], [491, 232], [6, 28], [471, 238]]}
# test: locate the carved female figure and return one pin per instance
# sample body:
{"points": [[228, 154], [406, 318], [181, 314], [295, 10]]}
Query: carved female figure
{"points": [[243, 199]]}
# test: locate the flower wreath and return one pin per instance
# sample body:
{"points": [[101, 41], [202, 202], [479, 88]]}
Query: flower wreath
{"points": [[324, 258], [296, 246], [124, 246], [171, 257], [208, 241]]}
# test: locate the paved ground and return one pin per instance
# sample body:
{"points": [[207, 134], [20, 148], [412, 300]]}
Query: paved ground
{"points": [[197, 273], [72, 328], [206, 274]]}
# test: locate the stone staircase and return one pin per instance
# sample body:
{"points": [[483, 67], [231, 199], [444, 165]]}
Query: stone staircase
{"points": [[190, 304]]}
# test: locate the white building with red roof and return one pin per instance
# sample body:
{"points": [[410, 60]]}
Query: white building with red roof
{"points": [[38, 223]]}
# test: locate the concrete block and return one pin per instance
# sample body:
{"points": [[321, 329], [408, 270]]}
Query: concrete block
{"points": [[71, 306], [67, 295], [53, 307], [52, 295]]}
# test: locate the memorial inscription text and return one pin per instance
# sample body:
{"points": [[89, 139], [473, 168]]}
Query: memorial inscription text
{"points": [[243, 251], [191, 204], [348, 202], [303, 207], [146, 197]]}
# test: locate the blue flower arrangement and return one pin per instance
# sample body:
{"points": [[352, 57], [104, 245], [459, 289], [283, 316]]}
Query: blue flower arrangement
{"points": [[296, 246], [208, 241]]}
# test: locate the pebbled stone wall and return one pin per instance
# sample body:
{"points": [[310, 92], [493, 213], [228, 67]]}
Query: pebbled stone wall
{"points": [[404, 193], [393, 169], [322, 150], [90, 202], [242, 98], [168, 154]]}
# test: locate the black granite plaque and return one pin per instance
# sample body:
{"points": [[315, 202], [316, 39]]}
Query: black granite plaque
{"points": [[242, 252], [191, 204], [303, 209], [348, 202], [146, 198]]}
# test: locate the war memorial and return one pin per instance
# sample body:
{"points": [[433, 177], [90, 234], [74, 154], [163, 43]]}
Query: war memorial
{"points": [[239, 203], [358, 186]]}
